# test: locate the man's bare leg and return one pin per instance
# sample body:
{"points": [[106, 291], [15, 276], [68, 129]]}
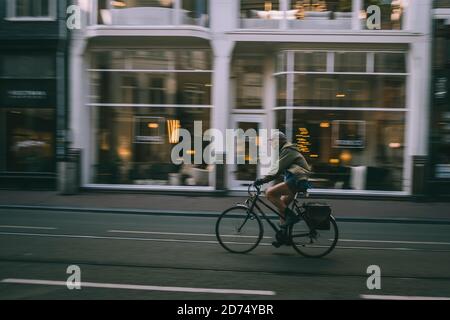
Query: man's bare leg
{"points": [[280, 195], [287, 199]]}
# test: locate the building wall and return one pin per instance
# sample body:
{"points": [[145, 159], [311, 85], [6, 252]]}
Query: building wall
{"points": [[227, 39]]}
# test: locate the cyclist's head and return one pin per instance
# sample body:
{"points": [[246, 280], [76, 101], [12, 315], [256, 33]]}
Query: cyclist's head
{"points": [[278, 139]]}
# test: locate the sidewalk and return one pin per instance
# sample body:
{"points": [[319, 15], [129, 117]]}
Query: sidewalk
{"points": [[352, 210]]}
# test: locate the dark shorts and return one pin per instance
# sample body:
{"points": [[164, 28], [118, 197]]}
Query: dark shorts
{"points": [[296, 185]]}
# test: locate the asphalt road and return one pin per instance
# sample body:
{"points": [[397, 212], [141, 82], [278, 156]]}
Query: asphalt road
{"points": [[126, 256]]}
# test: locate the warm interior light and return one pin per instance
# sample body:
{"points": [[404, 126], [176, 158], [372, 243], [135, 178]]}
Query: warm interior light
{"points": [[166, 3], [325, 125], [268, 6], [340, 95], [124, 153], [313, 155], [346, 156], [173, 127], [395, 145], [190, 152], [153, 126], [334, 161], [118, 4]]}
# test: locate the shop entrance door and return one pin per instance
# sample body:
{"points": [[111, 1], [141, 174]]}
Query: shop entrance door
{"points": [[243, 174]]}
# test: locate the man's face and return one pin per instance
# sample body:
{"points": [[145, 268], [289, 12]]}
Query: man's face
{"points": [[274, 142]]}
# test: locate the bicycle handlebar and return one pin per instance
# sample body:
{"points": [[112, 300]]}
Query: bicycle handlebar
{"points": [[258, 189]]}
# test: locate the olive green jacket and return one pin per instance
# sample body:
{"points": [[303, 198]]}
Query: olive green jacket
{"points": [[290, 159]]}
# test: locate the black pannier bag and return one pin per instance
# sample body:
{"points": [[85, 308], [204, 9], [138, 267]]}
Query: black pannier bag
{"points": [[318, 215]]}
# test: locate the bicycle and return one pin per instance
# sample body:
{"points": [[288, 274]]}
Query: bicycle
{"points": [[240, 230]]}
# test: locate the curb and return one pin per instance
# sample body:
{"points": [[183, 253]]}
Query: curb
{"points": [[211, 214]]}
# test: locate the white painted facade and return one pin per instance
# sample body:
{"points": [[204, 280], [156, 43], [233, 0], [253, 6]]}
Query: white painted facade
{"points": [[226, 38]]}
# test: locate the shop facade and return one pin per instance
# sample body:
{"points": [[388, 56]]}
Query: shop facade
{"points": [[352, 99], [32, 93], [439, 168]]}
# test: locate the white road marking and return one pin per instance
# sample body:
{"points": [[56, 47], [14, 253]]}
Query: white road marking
{"points": [[142, 287], [115, 238], [397, 242], [181, 234], [188, 241], [382, 297], [27, 227]]}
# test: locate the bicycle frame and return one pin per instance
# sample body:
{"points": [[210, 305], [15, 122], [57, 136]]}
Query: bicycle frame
{"points": [[253, 201]]}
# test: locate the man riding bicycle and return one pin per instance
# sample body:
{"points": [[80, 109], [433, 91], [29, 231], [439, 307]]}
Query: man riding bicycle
{"points": [[293, 166]]}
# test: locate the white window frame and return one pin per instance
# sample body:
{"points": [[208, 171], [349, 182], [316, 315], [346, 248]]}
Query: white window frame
{"points": [[11, 12]]}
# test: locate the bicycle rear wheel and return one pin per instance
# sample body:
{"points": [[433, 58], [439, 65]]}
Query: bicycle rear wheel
{"points": [[314, 244], [238, 230]]}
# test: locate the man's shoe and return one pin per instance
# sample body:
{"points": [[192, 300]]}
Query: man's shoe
{"points": [[277, 244]]}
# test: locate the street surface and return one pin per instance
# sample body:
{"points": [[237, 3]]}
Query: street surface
{"points": [[128, 256]]}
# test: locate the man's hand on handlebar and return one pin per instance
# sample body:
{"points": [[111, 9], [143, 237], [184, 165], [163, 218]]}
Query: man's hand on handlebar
{"points": [[259, 182]]}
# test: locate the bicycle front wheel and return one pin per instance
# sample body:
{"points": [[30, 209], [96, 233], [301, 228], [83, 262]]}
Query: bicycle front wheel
{"points": [[314, 244], [239, 230]]}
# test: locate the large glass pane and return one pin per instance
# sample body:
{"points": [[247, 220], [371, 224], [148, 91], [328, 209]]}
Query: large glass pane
{"points": [[193, 88], [350, 62], [249, 74], [113, 59], [392, 92], [151, 88], [32, 8], [441, 4], [390, 62], [310, 61], [352, 149], [29, 140], [160, 59], [151, 59], [134, 146], [356, 91], [193, 59]]}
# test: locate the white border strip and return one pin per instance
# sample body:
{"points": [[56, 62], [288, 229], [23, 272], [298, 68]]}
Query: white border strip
{"points": [[141, 287], [27, 227], [382, 297]]}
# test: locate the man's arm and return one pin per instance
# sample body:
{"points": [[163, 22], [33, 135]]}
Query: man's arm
{"points": [[280, 166]]}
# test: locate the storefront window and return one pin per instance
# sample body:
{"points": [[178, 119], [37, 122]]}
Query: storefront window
{"points": [[352, 150], [29, 140], [358, 91], [139, 77], [249, 74], [134, 145], [140, 100], [349, 120]]}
